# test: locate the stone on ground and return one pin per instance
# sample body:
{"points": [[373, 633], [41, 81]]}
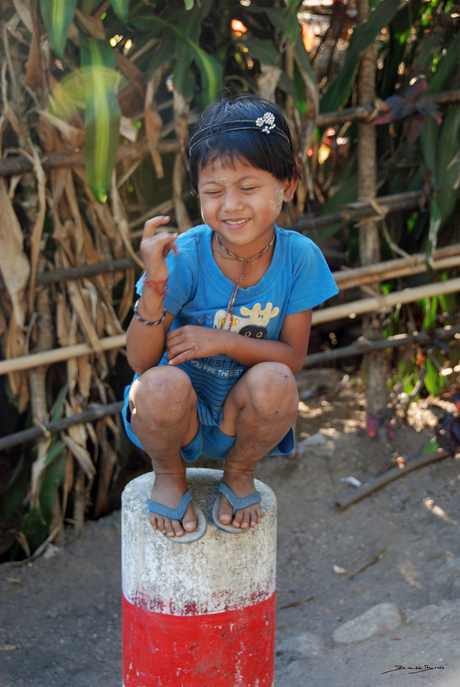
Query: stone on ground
{"points": [[377, 620]]}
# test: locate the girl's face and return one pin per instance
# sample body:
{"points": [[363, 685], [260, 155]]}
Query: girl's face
{"points": [[241, 203]]}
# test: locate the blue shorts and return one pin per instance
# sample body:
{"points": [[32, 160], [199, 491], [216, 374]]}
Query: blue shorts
{"points": [[209, 441]]}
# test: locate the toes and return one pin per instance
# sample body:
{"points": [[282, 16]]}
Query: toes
{"points": [[189, 520], [225, 511]]}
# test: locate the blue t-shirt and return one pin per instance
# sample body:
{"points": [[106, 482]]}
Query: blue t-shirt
{"points": [[297, 279]]}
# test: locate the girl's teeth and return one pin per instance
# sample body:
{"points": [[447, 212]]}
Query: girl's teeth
{"points": [[241, 221]]}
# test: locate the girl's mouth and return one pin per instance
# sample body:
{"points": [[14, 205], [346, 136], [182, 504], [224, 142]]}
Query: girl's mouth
{"points": [[235, 222]]}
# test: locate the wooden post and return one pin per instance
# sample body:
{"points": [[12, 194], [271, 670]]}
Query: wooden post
{"points": [[369, 244]]}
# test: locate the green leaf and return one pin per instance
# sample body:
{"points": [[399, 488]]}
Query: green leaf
{"points": [[181, 75], [211, 71], [432, 378], [431, 446], [429, 321], [189, 4], [303, 59], [102, 115], [34, 524], [292, 6], [449, 143], [447, 301], [57, 17], [120, 7], [363, 36], [262, 50], [163, 54], [445, 66]]}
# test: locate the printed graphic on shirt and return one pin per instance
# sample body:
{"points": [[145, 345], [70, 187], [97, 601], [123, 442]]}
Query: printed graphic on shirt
{"points": [[252, 323]]}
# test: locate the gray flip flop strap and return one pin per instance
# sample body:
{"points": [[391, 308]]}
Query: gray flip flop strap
{"points": [[235, 502], [172, 513]]}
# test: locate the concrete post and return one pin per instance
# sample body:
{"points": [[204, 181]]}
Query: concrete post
{"points": [[199, 614]]}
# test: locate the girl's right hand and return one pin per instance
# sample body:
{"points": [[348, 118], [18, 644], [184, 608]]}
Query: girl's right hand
{"points": [[155, 248]]}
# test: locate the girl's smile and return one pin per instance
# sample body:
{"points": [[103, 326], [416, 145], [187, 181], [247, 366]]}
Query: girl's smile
{"points": [[241, 203]]}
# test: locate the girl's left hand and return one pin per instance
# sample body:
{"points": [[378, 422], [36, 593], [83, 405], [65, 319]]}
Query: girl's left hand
{"points": [[193, 341]]}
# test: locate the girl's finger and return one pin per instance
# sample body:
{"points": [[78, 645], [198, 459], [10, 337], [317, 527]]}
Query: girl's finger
{"points": [[152, 225]]}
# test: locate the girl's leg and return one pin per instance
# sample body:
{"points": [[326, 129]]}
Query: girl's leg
{"points": [[164, 418], [260, 409]]}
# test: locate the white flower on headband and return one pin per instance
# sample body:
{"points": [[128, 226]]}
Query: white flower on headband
{"points": [[267, 122]]}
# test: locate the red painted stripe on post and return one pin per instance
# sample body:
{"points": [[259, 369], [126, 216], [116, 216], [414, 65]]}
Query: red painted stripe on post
{"points": [[215, 650]]}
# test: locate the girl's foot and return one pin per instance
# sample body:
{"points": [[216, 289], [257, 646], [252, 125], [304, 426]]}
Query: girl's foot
{"points": [[168, 491], [242, 484]]}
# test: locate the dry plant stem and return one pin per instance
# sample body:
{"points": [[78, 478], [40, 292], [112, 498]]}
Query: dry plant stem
{"points": [[366, 565], [343, 502], [293, 604]]}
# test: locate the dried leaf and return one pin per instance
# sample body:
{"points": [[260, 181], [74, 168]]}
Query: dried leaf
{"points": [[153, 122], [182, 218], [82, 456], [37, 230], [23, 10], [91, 26]]}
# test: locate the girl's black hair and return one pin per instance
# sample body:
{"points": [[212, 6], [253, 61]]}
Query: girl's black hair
{"points": [[271, 152]]}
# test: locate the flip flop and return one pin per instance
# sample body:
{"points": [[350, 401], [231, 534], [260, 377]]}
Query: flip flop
{"points": [[236, 504], [178, 514]]}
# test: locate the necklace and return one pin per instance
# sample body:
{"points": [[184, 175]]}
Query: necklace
{"points": [[245, 262]]}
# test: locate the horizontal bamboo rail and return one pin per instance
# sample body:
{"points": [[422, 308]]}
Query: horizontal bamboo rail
{"points": [[95, 413], [363, 345], [361, 209], [372, 110], [56, 355], [337, 312], [382, 301], [444, 258], [357, 348]]}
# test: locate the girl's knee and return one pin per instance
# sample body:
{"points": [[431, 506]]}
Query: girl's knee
{"points": [[273, 390], [162, 395]]}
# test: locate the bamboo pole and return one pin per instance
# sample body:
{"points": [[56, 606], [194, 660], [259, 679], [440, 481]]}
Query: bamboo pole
{"points": [[359, 307], [361, 209], [369, 239], [363, 345], [392, 269], [375, 304], [56, 355], [89, 415]]}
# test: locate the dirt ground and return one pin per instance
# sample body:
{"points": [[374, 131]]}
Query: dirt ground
{"points": [[60, 618]]}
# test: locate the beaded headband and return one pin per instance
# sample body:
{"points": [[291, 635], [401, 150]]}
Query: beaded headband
{"points": [[265, 124]]}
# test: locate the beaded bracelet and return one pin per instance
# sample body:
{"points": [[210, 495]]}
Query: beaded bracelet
{"points": [[161, 288], [141, 319]]}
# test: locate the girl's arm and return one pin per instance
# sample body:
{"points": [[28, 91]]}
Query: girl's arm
{"points": [[146, 344], [193, 341]]}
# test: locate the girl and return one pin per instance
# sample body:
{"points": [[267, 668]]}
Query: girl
{"points": [[223, 321]]}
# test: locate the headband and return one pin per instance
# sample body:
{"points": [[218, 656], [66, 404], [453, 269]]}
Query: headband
{"points": [[265, 124]]}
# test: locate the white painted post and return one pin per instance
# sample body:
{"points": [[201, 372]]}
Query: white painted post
{"points": [[201, 613]]}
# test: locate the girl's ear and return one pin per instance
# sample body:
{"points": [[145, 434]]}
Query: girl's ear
{"points": [[289, 189]]}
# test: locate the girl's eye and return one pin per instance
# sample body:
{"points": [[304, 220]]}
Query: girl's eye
{"points": [[249, 188]]}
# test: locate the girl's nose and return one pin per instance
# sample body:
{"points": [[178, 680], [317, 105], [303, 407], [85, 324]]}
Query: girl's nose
{"points": [[232, 200]]}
